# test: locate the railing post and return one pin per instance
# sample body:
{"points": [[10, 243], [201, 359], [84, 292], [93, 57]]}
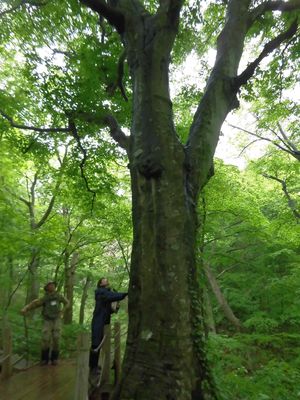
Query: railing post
{"points": [[82, 368], [7, 350], [117, 351], [105, 357]]}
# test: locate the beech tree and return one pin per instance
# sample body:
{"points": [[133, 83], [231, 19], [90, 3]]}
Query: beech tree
{"points": [[165, 354], [166, 177]]}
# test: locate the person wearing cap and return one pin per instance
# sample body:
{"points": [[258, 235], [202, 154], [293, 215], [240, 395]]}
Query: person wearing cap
{"points": [[51, 313], [104, 297]]}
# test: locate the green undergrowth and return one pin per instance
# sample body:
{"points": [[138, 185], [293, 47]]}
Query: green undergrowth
{"points": [[256, 366], [27, 334]]}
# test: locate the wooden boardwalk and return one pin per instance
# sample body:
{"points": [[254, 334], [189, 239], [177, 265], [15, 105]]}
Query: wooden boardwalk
{"points": [[41, 383], [66, 381]]}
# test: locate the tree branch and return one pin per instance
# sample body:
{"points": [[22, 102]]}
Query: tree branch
{"points": [[294, 150], [11, 295], [248, 145], [26, 202], [74, 132], [51, 203], [258, 136], [291, 202], [287, 149], [221, 298], [32, 188], [119, 83], [269, 47], [281, 140], [20, 4], [280, 5], [116, 132], [171, 8], [125, 258], [20, 198], [31, 128], [30, 203], [114, 16], [46, 214], [219, 96]]}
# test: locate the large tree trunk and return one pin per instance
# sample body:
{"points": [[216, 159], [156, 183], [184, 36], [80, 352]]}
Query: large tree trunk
{"points": [[160, 324], [70, 268], [165, 358], [162, 359]]}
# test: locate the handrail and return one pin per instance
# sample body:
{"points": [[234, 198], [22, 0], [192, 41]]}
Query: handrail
{"points": [[106, 353], [82, 349], [7, 350], [4, 358], [82, 368]]}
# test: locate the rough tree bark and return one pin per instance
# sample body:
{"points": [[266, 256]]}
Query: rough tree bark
{"points": [[165, 357]]}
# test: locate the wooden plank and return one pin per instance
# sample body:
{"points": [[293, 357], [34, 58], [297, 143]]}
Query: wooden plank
{"points": [[47, 383], [7, 350], [82, 369], [117, 351], [105, 359]]}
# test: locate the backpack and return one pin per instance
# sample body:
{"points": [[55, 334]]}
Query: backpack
{"points": [[51, 306], [114, 307]]}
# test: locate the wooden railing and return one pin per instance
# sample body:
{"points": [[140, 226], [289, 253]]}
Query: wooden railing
{"points": [[107, 359], [82, 367], [110, 356], [6, 358]]}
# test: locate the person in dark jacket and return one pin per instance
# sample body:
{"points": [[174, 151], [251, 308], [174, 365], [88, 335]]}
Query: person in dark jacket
{"points": [[104, 297], [51, 313]]}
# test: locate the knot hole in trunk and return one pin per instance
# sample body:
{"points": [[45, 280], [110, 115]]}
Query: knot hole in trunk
{"points": [[150, 166]]}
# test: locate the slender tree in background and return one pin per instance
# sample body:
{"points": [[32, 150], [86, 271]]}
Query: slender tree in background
{"points": [[33, 265], [36, 220]]}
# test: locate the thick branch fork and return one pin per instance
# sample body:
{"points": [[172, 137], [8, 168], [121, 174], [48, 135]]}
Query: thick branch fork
{"points": [[114, 16], [116, 132], [269, 47]]}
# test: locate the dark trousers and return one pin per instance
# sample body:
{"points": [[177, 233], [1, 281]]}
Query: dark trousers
{"points": [[97, 336], [97, 331]]}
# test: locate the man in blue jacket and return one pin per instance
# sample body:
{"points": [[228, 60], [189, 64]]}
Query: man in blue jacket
{"points": [[104, 298]]}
